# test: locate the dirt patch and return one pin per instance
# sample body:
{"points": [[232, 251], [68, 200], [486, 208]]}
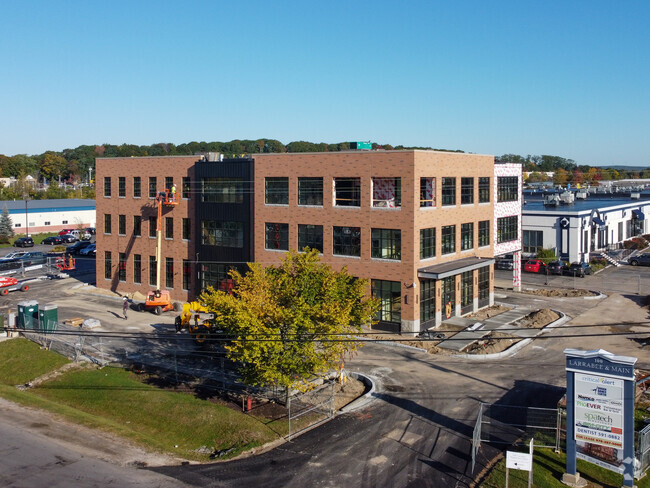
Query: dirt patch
{"points": [[492, 344], [538, 319], [561, 292], [488, 312]]}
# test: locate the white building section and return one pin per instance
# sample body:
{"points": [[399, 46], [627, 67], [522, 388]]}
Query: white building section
{"points": [[507, 210], [35, 216]]}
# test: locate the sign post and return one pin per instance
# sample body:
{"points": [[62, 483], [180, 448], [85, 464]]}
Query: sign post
{"points": [[522, 461], [600, 413]]}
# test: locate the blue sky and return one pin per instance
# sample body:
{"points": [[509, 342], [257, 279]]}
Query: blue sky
{"points": [[527, 77]]}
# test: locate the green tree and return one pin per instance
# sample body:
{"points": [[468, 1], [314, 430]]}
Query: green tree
{"points": [[560, 177], [53, 165], [6, 226], [292, 321]]}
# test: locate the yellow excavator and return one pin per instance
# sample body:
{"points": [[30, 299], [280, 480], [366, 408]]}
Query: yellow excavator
{"points": [[196, 318]]}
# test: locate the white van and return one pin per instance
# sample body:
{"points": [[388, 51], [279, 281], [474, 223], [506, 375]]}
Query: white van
{"points": [[81, 235]]}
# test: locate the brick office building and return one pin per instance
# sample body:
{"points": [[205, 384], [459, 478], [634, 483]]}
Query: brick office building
{"points": [[418, 224]]}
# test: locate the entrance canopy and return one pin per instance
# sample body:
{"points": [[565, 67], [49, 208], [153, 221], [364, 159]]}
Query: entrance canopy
{"points": [[443, 270]]}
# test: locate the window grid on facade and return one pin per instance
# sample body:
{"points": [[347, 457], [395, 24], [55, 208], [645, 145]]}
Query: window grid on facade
{"points": [[347, 241], [121, 267], [222, 233], [427, 192], [467, 236], [467, 291], [507, 189], [347, 192], [466, 191], [107, 223], [169, 182], [507, 229], [448, 239], [222, 190], [152, 270], [153, 187], [185, 189], [483, 286], [448, 191], [187, 274], [108, 264], [276, 190], [121, 186], [532, 241], [484, 190], [427, 243], [386, 243], [169, 272], [137, 187], [386, 192], [137, 268], [217, 276], [310, 191], [121, 225], [310, 236], [390, 298], [169, 227], [427, 300], [107, 186], [484, 233], [448, 291], [276, 236], [152, 226], [137, 225], [187, 229]]}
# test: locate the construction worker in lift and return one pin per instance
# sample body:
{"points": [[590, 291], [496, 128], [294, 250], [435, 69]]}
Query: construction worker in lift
{"points": [[173, 192]]}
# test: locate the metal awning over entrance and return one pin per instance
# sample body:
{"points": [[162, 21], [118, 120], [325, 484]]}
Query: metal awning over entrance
{"points": [[599, 221], [638, 214], [443, 270]]}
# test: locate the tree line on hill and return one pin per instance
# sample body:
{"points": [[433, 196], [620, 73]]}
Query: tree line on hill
{"points": [[75, 166]]}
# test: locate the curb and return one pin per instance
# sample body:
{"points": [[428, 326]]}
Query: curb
{"points": [[364, 399]]}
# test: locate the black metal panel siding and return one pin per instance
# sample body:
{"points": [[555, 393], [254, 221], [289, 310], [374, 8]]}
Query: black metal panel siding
{"points": [[233, 212]]}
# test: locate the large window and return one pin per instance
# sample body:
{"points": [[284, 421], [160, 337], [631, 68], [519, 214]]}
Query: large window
{"points": [[390, 298], [347, 241], [137, 225], [121, 225], [153, 186], [507, 189], [483, 233], [386, 243], [121, 267], [276, 191], [448, 286], [108, 264], [427, 243], [107, 186], [217, 276], [137, 268], [467, 291], [169, 227], [222, 233], [187, 274], [533, 241], [466, 191], [107, 223], [137, 187], [427, 301], [427, 192], [276, 236], [507, 229], [467, 236], [448, 191], [387, 192], [169, 182], [310, 236], [484, 190], [347, 192], [121, 187], [185, 189], [152, 226], [483, 286], [222, 190], [448, 239], [152, 271], [310, 191], [169, 272], [187, 229]]}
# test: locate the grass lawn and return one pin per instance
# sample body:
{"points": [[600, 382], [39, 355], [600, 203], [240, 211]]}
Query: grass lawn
{"points": [[117, 401], [38, 238], [548, 468]]}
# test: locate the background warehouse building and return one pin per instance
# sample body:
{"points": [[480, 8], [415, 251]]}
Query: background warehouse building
{"points": [[420, 225]]}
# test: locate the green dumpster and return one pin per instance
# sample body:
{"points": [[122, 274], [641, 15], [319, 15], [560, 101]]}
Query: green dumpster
{"points": [[48, 318], [28, 315]]}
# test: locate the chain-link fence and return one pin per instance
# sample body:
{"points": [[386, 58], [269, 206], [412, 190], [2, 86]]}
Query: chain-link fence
{"points": [[310, 408]]}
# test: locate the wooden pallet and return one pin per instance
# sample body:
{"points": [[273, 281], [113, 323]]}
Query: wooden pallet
{"points": [[75, 322]]}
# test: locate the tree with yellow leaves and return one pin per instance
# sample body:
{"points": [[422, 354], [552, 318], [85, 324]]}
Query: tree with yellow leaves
{"points": [[291, 322]]}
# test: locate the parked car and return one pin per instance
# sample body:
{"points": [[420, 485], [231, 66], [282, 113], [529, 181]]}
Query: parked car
{"points": [[24, 242], [52, 240], [88, 250], [557, 267], [69, 238], [31, 258], [535, 266], [65, 231], [640, 260], [505, 262], [90, 230], [75, 248], [579, 269], [15, 254]]}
